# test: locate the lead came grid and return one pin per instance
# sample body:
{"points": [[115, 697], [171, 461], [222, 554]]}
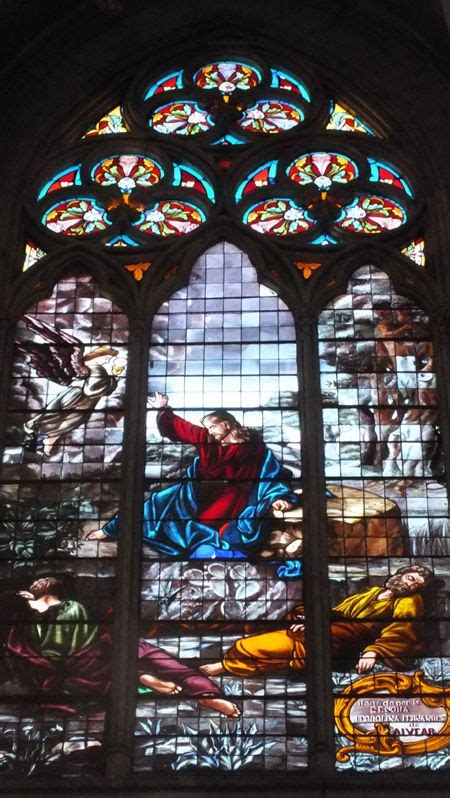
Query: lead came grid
{"points": [[386, 499], [50, 501], [223, 341]]}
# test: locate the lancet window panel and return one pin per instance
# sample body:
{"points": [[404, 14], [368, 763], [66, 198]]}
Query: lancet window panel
{"points": [[387, 529], [381, 422], [225, 342], [60, 476]]}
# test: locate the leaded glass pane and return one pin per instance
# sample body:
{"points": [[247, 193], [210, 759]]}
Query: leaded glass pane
{"points": [[60, 481], [387, 529], [219, 559]]}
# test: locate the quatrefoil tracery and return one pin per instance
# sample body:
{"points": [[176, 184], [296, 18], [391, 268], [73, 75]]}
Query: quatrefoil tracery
{"points": [[140, 192]]}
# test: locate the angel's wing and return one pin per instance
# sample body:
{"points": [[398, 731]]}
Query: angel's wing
{"points": [[59, 359]]}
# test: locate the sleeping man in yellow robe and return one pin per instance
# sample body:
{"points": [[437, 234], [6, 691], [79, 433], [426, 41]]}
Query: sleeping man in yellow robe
{"points": [[381, 623]]}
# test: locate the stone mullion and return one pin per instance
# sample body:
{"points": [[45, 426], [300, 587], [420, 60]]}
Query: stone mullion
{"points": [[7, 330], [121, 715], [437, 249], [441, 343], [437, 235], [318, 653]]}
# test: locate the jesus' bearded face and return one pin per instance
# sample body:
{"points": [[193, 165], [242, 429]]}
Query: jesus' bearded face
{"points": [[218, 430]]}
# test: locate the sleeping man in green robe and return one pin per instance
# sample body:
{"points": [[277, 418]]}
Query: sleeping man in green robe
{"points": [[64, 654]]}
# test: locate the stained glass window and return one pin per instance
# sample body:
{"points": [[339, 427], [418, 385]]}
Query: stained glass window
{"points": [[415, 251], [332, 192], [322, 169], [112, 122], [68, 177], [189, 177], [60, 478], [327, 193], [227, 77], [371, 214], [33, 254], [167, 83], [190, 156], [279, 217], [381, 172], [127, 172], [181, 119], [343, 119], [281, 80], [387, 528], [262, 176], [170, 218], [225, 341], [270, 116], [119, 204], [76, 217]]}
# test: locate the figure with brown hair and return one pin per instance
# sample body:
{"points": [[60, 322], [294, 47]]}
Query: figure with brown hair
{"points": [[379, 624], [223, 506], [64, 654]]}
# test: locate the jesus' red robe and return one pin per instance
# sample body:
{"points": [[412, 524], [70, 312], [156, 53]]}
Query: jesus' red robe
{"points": [[229, 470]]}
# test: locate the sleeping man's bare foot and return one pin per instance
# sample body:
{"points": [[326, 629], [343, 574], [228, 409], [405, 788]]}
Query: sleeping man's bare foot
{"points": [[169, 688], [213, 669], [221, 705], [96, 534]]}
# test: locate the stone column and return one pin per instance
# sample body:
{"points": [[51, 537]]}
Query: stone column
{"points": [[119, 733], [318, 663]]}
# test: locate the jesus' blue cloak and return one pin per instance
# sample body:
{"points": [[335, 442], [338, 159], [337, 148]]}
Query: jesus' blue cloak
{"points": [[170, 526]]}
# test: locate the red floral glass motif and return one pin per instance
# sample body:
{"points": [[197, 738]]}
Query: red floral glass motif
{"points": [[271, 116], [76, 217], [181, 119], [322, 169], [127, 172], [279, 217], [170, 217], [227, 76], [371, 214]]}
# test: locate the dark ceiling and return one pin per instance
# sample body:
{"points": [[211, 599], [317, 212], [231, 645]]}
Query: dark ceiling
{"points": [[23, 22]]}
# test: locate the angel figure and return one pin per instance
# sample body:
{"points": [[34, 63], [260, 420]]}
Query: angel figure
{"points": [[87, 376]]}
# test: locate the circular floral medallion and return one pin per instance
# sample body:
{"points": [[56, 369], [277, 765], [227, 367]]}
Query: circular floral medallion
{"points": [[371, 214], [170, 217], [279, 217], [322, 169], [181, 119], [76, 217], [127, 172], [270, 116], [227, 76]]}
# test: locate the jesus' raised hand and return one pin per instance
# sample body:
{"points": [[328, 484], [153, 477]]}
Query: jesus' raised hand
{"points": [[158, 400]]}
